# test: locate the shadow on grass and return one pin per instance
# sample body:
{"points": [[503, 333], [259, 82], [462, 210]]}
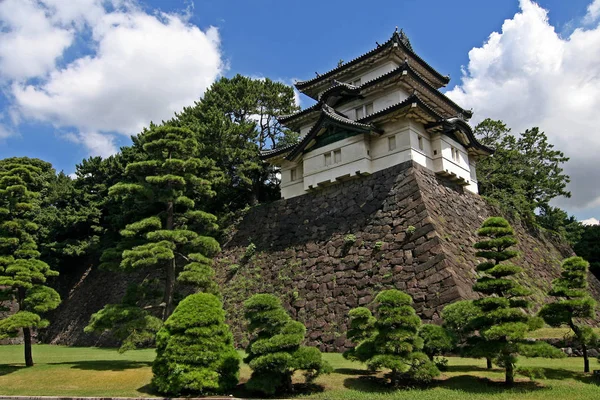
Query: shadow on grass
{"points": [[475, 384], [468, 368], [465, 383], [560, 374], [351, 371], [300, 390], [9, 369], [106, 365]]}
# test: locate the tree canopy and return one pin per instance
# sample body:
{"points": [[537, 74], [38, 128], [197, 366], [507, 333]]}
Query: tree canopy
{"points": [[23, 276]]}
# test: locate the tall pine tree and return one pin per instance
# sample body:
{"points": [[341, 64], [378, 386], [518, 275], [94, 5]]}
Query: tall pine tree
{"points": [[22, 274], [167, 183], [503, 324], [573, 303]]}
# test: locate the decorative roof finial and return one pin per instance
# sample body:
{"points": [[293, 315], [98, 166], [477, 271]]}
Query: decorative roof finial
{"points": [[317, 74], [377, 43], [396, 31]]}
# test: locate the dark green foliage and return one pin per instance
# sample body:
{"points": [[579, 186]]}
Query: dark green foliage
{"points": [[588, 247], [572, 303], [275, 352], [436, 340], [499, 331], [459, 317], [390, 340], [236, 118], [169, 182], [23, 276], [194, 350], [524, 175]]}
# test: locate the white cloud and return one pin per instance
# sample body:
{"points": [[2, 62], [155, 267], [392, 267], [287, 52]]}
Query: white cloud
{"points": [[143, 67], [593, 12], [528, 75], [98, 144], [30, 43], [590, 221]]}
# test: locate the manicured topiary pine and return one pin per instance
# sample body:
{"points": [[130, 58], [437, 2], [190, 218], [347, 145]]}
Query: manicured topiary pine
{"points": [[22, 275], [166, 185], [194, 350], [573, 303], [275, 352], [436, 340], [503, 324], [458, 319], [390, 339]]}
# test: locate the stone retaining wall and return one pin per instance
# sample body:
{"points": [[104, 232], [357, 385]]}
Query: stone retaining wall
{"points": [[326, 252]]}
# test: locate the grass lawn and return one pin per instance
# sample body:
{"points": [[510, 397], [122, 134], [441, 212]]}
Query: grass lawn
{"points": [[72, 371]]}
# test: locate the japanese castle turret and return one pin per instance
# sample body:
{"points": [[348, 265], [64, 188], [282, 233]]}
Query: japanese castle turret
{"points": [[376, 111]]}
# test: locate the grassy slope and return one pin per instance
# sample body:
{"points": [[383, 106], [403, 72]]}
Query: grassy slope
{"points": [[104, 372]]}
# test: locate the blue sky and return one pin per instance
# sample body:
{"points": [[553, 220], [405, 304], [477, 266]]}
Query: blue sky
{"points": [[64, 93]]}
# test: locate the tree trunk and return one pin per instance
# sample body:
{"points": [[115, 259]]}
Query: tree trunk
{"points": [[26, 331], [27, 343], [510, 373], [430, 357], [170, 270], [581, 340], [489, 363], [586, 360]]}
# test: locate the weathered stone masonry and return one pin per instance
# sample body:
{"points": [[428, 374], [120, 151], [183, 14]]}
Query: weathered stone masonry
{"points": [[331, 250]]}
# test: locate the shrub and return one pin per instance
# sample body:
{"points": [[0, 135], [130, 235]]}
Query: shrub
{"points": [[436, 340], [349, 239], [390, 339], [250, 251], [275, 352], [194, 350]]}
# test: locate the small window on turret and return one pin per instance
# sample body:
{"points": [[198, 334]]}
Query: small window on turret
{"points": [[369, 109], [392, 143], [356, 82], [294, 174], [327, 159], [337, 156], [359, 113], [420, 142]]}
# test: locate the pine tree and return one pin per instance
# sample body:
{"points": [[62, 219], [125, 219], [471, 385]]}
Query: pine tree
{"points": [[165, 182], [436, 340], [194, 350], [390, 339], [275, 352], [503, 325], [22, 274], [573, 303]]}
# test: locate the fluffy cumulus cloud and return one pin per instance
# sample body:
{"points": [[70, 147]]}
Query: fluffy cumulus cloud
{"points": [[138, 67], [528, 75]]}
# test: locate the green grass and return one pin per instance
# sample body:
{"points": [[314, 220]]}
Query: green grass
{"points": [[554, 333], [72, 371]]}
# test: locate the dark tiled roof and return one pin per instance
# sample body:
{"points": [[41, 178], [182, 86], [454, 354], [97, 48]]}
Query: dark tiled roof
{"points": [[463, 126], [415, 75], [413, 99], [275, 152], [397, 37]]}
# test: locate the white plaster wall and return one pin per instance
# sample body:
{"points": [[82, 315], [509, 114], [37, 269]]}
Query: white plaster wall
{"points": [[355, 160], [380, 101], [378, 71], [292, 189], [443, 160]]}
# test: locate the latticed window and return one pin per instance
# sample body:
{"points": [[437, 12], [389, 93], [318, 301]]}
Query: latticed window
{"points": [[392, 143], [337, 156]]}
